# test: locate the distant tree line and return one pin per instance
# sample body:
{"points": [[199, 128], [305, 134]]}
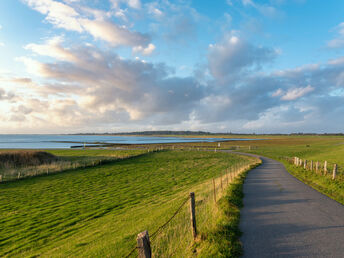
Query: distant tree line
{"points": [[167, 132]]}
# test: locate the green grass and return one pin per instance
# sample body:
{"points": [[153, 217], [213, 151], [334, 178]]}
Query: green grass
{"points": [[77, 154], [222, 240], [98, 211], [316, 148], [66, 159]]}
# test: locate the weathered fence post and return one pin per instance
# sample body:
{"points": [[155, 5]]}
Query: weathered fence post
{"points": [[317, 167], [295, 161], [325, 168], [221, 183], [0, 178], [143, 245], [18, 175], [214, 190], [311, 165], [334, 171], [193, 215], [305, 164]]}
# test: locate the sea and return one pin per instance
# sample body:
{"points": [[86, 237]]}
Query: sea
{"points": [[63, 141]]}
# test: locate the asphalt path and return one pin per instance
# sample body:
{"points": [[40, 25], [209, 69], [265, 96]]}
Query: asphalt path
{"points": [[283, 217]]}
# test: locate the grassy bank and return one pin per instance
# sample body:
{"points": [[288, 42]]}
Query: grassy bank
{"points": [[98, 211], [222, 240], [315, 148]]}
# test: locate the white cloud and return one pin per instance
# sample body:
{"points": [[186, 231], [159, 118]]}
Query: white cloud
{"points": [[145, 51], [64, 16], [153, 9], [136, 4], [114, 34], [338, 41], [295, 93], [234, 55], [57, 13], [52, 48], [266, 10], [2, 44], [277, 93]]}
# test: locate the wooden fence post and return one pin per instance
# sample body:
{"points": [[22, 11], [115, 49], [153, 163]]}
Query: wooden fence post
{"points": [[18, 175], [214, 190], [0, 178], [193, 215], [311, 165], [325, 168], [334, 171], [305, 164], [221, 183], [317, 167], [143, 245]]}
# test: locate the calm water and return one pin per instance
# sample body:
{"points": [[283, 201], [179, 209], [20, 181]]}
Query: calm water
{"points": [[50, 141]]}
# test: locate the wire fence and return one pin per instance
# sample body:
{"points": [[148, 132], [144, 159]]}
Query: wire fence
{"points": [[143, 245], [159, 229]]}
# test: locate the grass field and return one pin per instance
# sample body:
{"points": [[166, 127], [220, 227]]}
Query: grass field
{"points": [[316, 148], [66, 159], [98, 211]]}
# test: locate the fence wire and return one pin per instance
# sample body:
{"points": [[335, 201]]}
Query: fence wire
{"points": [[156, 232]]}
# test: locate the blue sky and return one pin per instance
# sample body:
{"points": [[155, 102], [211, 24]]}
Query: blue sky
{"points": [[126, 65]]}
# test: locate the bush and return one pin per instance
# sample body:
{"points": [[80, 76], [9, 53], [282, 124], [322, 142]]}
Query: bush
{"points": [[26, 158]]}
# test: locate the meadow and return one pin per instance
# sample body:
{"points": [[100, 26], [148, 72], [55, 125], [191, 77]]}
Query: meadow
{"points": [[319, 148], [98, 211], [316, 148], [16, 164]]}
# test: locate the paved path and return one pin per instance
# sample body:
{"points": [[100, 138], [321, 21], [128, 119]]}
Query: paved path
{"points": [[282, 217]]}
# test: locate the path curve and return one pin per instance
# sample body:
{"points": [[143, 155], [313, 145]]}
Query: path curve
{"points": [[283, 217]]}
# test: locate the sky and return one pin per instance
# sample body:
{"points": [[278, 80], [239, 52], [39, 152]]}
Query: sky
{"points": [[243, 66]]}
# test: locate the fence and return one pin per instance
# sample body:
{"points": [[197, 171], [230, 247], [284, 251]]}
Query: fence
{"points": [[142, 248], [14, 173], [320, 168]]}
